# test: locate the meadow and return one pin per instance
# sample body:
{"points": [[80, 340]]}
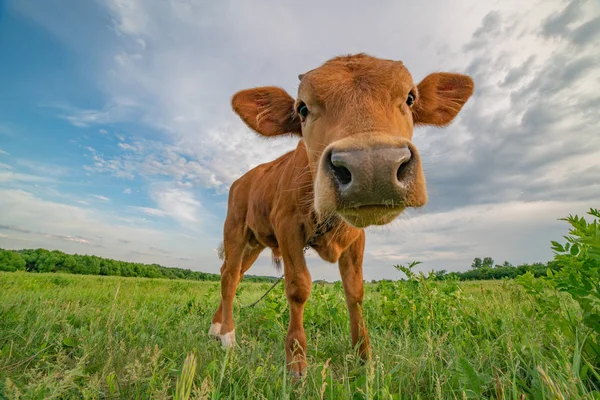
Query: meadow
{"points": [[78, 336]]}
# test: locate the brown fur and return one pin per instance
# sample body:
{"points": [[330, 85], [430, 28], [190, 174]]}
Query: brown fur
{"points": [[356, 103]]}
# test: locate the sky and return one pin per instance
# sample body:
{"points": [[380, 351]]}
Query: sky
{"points": [[117, 137]]}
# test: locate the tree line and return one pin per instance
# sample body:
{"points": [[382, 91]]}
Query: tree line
{"points": [[41, 260], [487, 269]]}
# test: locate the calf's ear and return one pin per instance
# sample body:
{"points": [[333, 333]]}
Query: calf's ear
{"points": [[441, 97], [267, 110]]}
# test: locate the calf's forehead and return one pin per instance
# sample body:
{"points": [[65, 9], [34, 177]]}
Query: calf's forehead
{"points": [[342, 80]]}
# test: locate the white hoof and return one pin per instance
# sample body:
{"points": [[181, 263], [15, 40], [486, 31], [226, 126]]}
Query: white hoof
{"points": [[215, 329], [228, 339]]}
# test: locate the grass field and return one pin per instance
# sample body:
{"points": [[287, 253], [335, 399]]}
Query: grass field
{"points": [[72, 336]]}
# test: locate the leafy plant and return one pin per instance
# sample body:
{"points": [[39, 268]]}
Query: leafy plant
{"points": [[579, 260], [575, 272]]}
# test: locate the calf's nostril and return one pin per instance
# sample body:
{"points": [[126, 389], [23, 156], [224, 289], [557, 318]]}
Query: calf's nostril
{"points": [[339, 169], [342, 174], [403, 167], [401, 173]]}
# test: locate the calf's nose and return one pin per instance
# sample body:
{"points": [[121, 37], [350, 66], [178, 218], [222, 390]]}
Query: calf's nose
{"points": [[371, 176]]}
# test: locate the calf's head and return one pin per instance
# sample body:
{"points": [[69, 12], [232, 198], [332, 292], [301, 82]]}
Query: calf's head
{"points": [[356, 116]]}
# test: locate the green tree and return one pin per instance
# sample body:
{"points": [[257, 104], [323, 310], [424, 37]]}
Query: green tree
{"points": [[68, 263], [477, 263], [488, 262], [11, 261]]}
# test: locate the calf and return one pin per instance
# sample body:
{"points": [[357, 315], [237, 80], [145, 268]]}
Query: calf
{"points": [[354, 166]]}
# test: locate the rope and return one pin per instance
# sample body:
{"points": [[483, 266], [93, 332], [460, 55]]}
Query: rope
{"points": [[322, 228], [266, 293]]}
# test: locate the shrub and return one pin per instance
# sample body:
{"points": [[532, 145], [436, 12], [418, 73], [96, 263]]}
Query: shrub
{"points": [[575, 272]]}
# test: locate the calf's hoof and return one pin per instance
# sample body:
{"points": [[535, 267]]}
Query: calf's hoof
{"points": [[228, 339], [215, 330], [298, 368], [298, 374]]}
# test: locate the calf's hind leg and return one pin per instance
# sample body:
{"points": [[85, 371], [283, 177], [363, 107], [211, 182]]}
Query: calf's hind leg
{"points": [[250, 256]]}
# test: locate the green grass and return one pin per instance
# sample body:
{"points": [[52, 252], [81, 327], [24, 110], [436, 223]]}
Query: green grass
{"points": [[69, 336]]}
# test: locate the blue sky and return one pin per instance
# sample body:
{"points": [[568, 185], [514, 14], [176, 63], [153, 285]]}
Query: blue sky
{"points": [[117, 137]]}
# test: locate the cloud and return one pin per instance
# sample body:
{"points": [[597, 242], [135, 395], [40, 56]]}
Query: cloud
{"points": [[126, 146], [178, 203], [103, 131], [153, 251], [155, 160], [68, 238], [558, 24], [75, 229], [15, 229], [3, 152], [517, 231], [9, 176], [100, 197], [119, 109], [127, 191], [5, 166], [151, 211], [42, 169], [515, 142], [587, 33], [76, 239]]}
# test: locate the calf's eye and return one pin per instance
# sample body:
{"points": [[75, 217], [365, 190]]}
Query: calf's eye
{"points": [[302, 110], [410, 100]]}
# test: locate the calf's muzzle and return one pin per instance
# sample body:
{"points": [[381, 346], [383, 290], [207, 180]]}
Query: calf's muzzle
{"points": [[374, 176]]}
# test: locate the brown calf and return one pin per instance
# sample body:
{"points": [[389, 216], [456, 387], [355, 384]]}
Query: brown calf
{"points": [[354, 166]]}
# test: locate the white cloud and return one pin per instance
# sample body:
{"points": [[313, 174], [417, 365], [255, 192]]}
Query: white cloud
{"points": [[178, 203], [152, 160], [126, 146], [29, 219], [127, 191], [133, 147], [100, 197], [151, 211], [519, 232], [41, 169], [9, 176], [119, 109], [68, 238], [3, 152], [5, 166], [103, 131]]}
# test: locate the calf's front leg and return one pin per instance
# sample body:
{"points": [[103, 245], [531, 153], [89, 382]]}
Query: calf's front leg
{"points": [[350, 264], [297, 290]]}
